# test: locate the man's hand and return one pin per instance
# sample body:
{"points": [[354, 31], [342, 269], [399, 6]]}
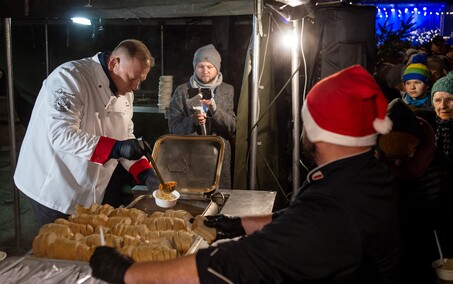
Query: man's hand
{"points": [[228, 227], [151, 180], [129, 149], [109, 265], [211, 105]]}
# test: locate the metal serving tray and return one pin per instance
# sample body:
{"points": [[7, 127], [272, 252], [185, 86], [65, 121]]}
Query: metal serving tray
{"points": [[200, 205], [193, 161], [29, 269]]}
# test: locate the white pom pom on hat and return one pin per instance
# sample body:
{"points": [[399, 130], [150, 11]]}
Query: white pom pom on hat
{"points": [[347, 108]]}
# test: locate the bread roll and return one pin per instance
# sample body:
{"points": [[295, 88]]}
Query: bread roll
{"points": [[62, 248], [59, 229], [165, 223], [41, 243], [112, 221], [149, 253], [136, 215], [93, 220], [207, 233], [84, 229], [94, 240]]}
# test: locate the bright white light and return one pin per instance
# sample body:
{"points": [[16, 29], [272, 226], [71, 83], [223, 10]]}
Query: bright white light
{"points": [[81, 21], [289, 40]]}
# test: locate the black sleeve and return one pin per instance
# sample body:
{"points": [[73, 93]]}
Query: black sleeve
{"points": [[304, 243]]}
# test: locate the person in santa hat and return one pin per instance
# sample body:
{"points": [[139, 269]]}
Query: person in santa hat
{"points": [[339, 227]]}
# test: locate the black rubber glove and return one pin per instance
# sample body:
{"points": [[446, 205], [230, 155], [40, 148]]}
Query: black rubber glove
{"points": [[129, 149], [149, 178], [109, 265], [228, 227]]}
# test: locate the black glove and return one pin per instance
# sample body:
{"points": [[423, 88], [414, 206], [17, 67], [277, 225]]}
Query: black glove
{"points": [[109, 265], [228, 227], [149, 178], [129, 149]]}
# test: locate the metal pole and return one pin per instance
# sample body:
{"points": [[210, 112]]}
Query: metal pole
{"points": [[254, 96], [295, 62], [162, 49], [12, 129]]}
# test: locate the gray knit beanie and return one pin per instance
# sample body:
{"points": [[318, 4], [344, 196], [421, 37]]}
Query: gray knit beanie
{"points": [[207, 53], [444, 84]]}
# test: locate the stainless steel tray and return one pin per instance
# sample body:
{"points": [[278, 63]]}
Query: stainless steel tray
{"points": [[195, 205], [29, 269], [193, 161]]}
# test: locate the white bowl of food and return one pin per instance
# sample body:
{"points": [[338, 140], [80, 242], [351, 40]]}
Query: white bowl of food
{"points": [[164, 199], [444, 268]]}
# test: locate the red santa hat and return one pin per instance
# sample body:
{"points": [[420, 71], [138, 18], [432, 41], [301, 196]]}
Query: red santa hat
{"points": [[347, 108]]}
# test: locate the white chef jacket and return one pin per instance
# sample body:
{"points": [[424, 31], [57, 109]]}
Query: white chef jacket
{"points": [[74, 108]]}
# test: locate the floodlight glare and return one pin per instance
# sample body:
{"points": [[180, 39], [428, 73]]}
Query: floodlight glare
{"points": [[81, 21]]}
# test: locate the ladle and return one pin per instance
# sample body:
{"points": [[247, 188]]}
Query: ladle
{"points": [[166, 187]]}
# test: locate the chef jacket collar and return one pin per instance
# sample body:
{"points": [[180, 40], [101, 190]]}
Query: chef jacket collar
{"points": [[103, 60]]}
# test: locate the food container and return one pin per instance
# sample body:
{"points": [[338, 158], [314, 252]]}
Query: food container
{"points": [[444, 269], [194, 162], [163, 202]]}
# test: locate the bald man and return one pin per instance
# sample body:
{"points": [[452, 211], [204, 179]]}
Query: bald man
{"points": [[81, 128]]}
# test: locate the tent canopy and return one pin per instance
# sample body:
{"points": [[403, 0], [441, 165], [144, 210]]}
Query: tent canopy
{"points": [[124, 9]]}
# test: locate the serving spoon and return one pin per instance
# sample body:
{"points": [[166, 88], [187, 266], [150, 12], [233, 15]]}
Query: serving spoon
{"points": [[166, 187]]}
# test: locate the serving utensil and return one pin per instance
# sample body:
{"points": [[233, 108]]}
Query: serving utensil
{"points": [[166, 187]]}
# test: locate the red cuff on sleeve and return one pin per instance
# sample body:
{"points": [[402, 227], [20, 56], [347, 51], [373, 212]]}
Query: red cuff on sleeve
{"points": [[139, 167], [102, 151]]}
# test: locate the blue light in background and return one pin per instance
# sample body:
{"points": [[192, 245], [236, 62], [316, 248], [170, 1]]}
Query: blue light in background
{"points": [[427, 18]]}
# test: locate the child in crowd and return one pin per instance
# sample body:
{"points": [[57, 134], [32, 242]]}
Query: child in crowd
{"points": [[416, 79]]}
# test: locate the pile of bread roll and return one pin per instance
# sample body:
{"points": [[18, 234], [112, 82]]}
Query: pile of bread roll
{"points": [[159, 236]]}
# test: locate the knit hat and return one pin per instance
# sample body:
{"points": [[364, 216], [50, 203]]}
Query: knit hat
{"points": [[347, 108], [207, 53], [417, 70], [411, 141], [444, 84]]}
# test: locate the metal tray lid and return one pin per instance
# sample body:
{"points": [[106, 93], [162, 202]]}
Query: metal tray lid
{"points": [[193, 161]]}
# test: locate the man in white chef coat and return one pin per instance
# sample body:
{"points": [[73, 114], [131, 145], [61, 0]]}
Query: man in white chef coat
{"points": [[81, 128]]}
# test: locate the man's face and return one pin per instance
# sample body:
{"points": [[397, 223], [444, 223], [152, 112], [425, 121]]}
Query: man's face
{"points": [[415, 88], [205, 72], [308, 152], [443, 105], [128, 73]]}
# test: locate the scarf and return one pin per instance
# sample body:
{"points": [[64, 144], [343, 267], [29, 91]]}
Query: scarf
{"points": [[444, 137], [415, 102]]}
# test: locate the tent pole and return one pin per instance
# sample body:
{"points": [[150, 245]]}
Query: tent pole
{"points": [[12, 130], [252, 171], [295, 62]]}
